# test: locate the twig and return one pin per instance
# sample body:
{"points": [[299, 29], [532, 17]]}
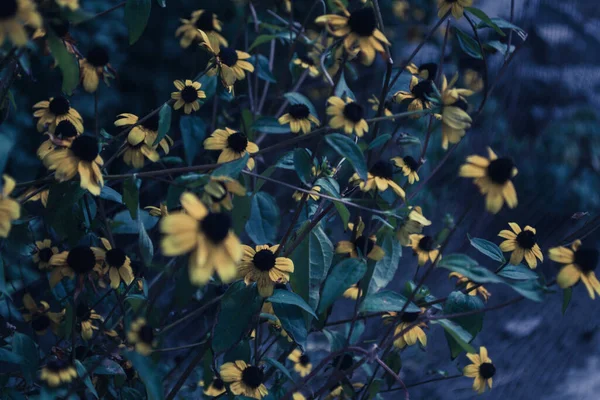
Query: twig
{"points": [[100, 14]]}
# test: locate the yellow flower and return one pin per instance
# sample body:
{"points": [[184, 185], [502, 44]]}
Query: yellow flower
{"points": [[58, 372], [360, 243], [353, 292], [51, 112], [298, 396], [302, 364], [413, 223], [43, 253], [14, 15], [260, 265], [188, 95], [418, 95], [472, 289], [81, 158], [63, 136], [522, 244], [455, 119], [379, 178], [80, 260], [219, 192], [140, 140], [70, 4], [580, 264], [299, 118], [141, 335], [230, 64], [409, 167], [244, 379], [160, 211], [481, 369], [201, 20], [93, 68], [86, 317], [348, 115], [493, 177], [473, 80], [207, 236], [216, 388], [10, 210], [359, 30], [313, 195], [338, 392], [399, 8], [425, 248], [457, 7], [116, 263], [309, 63], [40, 316], [375, 101], [233, 145], [425, 71], [411, 336], [39, 196]]}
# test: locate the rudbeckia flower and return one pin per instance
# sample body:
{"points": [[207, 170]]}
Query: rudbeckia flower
{"points": [[299, 118], [141, 138], [43, 253], [117, 263], [457, 7], [425, 248], [400, 8], [482, 370], [141, 335], [455, 119], [63, 136], [424, 71], [379, 178], [219, 192], [93, 68], [14, 15], [412, 335], [366, 245], [472, 289], [188, 95], [522, 243], [233, 145], [230, 64], [302, 364], [51, 112], [298, 396], [160, 211], [359, 30], [81, 158], [244, 379], [413, 223], [80, 260], [313, 195], [38, 196], [70, 4], [473, 80], [40, 316], [375, 101], [260, 265], [353, 292], [86, 318], [348, 115], [207, 236], [308, 63], [10, 210], [580, 263], [419, 94], [58, 372], [339, 393], [216, 388], [409, 167], [493, 177], [201, 20]]}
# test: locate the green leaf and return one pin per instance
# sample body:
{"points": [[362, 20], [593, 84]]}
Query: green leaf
{"points": [[281, 296], [330, 187], [240, 351], [346, 147], [108, 193], [261, 65], [280, 367], [8, 356], [264, 219], [460, 335], [518, 272], [164, 123], [342, 276], [144, 242], [270, 125], [504, 24], [468, 267], [148, 373], [303, 165], [3, 278], [232, 168], [260, 40], [67, 62], [238, 307], [241, 213], [488, 248], [386, 268], [293, 321], [137, 13], [162, 3], [468, 44], [342, 90], [386, 300], [82, 372], [106, 367], [136, 301], [530, 289], [297, 98], [336, 340], [25, 348], [379, 141], [567, 294], [131, 196], [485, 20], [458, 302], [394, 361], [193, 131]]}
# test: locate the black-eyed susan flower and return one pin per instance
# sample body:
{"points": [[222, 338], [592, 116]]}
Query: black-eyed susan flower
{"points": [[141, 336], [86, 318], [160, 211], [409, 166], [339, 393], [522, 243], [117, 263], [473, 80], [418, 95], [35, 194], [425, 248], [94, 67], [14, 16], [58, 372], [188, 95], [407, 333], [233, 145], [348, 115], [302, 364], [413, 223], [379, 178], [83, 159], [298, 396], [353, 292], [306, 62], [400, 9], [215, 388], [366, 245], [424, 71], [359, 30], [10, 210], [51, 112], [141, 138], [580, 264], [261, 265], [218, 192], [313, 195], [455, 119], [493, 177], [200, 20], [80, 261], [375, 107], [230, 64], [471, 288], [40, 317], [63, 136], [70, 4], [456, 7], [481, 369], [207, 236], [299, 118], [43, 252], [244, 379]]}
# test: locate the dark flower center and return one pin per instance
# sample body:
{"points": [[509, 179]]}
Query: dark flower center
{"points": [[45, 254], [264, 260], [304, 360], [281, 286], [205, 22], [353, 112], [189, 94], [253, 376], [500, 170], [8, 9], [228, 56], [487, 370], [306, 59], [343, 362], [97, 56], [152, 123], [216, 226], [65, 129], [298, 111], [423, 90], [430, 68], [237, 142], [363, 22], [382, 169], [462, 104], [85, 148], [81, 259], [409, 316], [60, 28], [59, 105], [526, 239], [364, 244], [426, 243], [218, 384], [57, 365], [586, 259], [40, 323], [84, 313], [146, 334], [411, 163], [115, 257]]}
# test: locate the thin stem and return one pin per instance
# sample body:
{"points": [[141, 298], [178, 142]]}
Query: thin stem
{"points": [[103, 13], [412, 385], [187, 346], [193, 314], [485, 67], [188, 371]]}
